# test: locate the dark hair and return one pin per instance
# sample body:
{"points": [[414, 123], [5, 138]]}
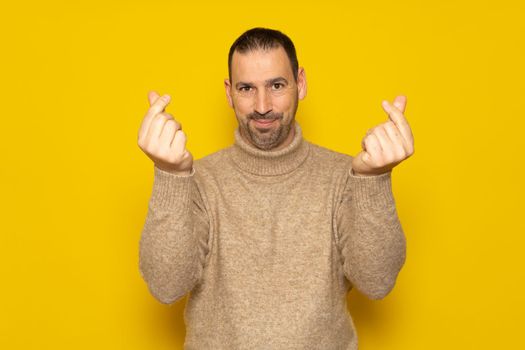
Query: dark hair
{"points": [[263, 38]]}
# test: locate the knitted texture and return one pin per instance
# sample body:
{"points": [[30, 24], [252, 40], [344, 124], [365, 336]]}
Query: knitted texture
{"points": [[268, 243]]}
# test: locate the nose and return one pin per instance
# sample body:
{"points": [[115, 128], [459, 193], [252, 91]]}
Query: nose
{"points": [[263, 102]]}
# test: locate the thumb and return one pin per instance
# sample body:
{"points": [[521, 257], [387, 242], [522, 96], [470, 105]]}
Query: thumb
{"points": [[152, 97], [360, 163], [400, 103]]}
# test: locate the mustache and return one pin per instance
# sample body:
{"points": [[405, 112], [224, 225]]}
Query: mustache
{"points": [[258, 116]]}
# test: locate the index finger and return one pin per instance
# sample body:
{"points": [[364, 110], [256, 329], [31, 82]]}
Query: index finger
{"points": [[399, 120], [156, 107]]}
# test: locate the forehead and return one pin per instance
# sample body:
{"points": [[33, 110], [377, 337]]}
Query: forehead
{"points": [[260, 65]]}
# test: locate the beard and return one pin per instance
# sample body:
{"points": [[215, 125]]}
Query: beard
{"points": [[266, 138]]}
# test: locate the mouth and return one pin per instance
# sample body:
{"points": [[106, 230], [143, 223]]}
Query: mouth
{"points": [[264, 123]]}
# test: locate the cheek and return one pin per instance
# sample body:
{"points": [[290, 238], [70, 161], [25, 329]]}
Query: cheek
{"points": [[283, 103], [242, 105]]}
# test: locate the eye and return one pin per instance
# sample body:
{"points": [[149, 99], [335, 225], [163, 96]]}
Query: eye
{"points": [[278, 86], [244, 87]]}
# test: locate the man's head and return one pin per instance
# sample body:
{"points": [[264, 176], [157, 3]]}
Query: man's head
{"points": [[265, 83]]}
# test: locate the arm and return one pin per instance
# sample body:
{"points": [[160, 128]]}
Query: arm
{"points": [[173, 244], [369, 234]]}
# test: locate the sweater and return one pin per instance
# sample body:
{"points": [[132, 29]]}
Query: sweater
{"points": [[268, 244]]}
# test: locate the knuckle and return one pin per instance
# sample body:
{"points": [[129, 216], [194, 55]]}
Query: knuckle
{"points": [[158, 117], [163, 116], [170, 124], [166, 115], [175, 123], [160, 103], [154, 110]]}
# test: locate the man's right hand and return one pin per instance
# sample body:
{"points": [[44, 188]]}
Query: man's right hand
{"points": [[162, 139]]}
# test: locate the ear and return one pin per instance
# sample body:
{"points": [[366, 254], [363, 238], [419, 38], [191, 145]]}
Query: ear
{"points": [[301, 83], [228, 87]]}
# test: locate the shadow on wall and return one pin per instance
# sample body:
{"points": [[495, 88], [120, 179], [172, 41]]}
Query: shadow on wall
{"points": [[166, 322], [374, 315]]}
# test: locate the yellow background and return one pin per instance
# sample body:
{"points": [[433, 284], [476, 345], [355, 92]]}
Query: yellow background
{"points": [[75, 185]]}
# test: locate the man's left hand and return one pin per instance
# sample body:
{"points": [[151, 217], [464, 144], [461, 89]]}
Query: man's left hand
{"points": [[387, 144]]}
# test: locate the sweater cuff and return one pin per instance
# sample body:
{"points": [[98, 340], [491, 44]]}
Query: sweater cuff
{"points": [[171, 191], [372, 191]]}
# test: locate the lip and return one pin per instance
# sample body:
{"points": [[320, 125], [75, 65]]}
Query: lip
{"points": [[264, 123]]}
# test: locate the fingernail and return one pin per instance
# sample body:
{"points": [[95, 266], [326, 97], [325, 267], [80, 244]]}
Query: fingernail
{"points": [[166, 98]]}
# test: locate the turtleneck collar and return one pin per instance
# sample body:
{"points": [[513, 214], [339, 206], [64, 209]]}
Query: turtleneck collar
{"points": [[259, 162]]}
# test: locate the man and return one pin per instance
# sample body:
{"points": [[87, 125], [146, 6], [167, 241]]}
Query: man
{"points": [[270, 233]]}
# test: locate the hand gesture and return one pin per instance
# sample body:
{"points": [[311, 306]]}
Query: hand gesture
{"points": [[162, 139], [387, 144]]}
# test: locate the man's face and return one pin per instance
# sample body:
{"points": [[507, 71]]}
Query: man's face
{"points": [[264, 96]]}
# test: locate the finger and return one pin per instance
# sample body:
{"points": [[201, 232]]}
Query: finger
{"points": [[365, 159], [152, 97], [168, 133], [144, 126], [373, 147], [169, 116], [157, 107], [179, 142], [368, 132], [399, 119], [400, 149], [386, 143], [157, 124], [400, 103], [179, 124]]}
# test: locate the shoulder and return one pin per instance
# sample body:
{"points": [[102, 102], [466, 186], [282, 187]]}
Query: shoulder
{"points": [[211, 161], [329, 157], [213, 166]]}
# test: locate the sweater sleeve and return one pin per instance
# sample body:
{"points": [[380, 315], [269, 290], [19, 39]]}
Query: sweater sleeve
{"points": [[174, 240], [370, 237]]}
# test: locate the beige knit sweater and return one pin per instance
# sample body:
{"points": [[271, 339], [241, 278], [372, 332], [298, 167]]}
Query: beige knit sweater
{"points": [[269, 243]]}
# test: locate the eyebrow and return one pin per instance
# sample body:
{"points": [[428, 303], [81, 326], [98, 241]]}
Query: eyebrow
{"points": [[268, 82]]}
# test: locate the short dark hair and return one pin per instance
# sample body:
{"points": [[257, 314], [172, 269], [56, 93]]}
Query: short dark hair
{"points": [[263, 38]]}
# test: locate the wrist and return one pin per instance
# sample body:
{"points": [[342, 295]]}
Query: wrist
{"points": [[175, 172], [359, 174], [368, 175]]}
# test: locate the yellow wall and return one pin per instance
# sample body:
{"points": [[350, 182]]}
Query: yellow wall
{"points": [[75, 185]]}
